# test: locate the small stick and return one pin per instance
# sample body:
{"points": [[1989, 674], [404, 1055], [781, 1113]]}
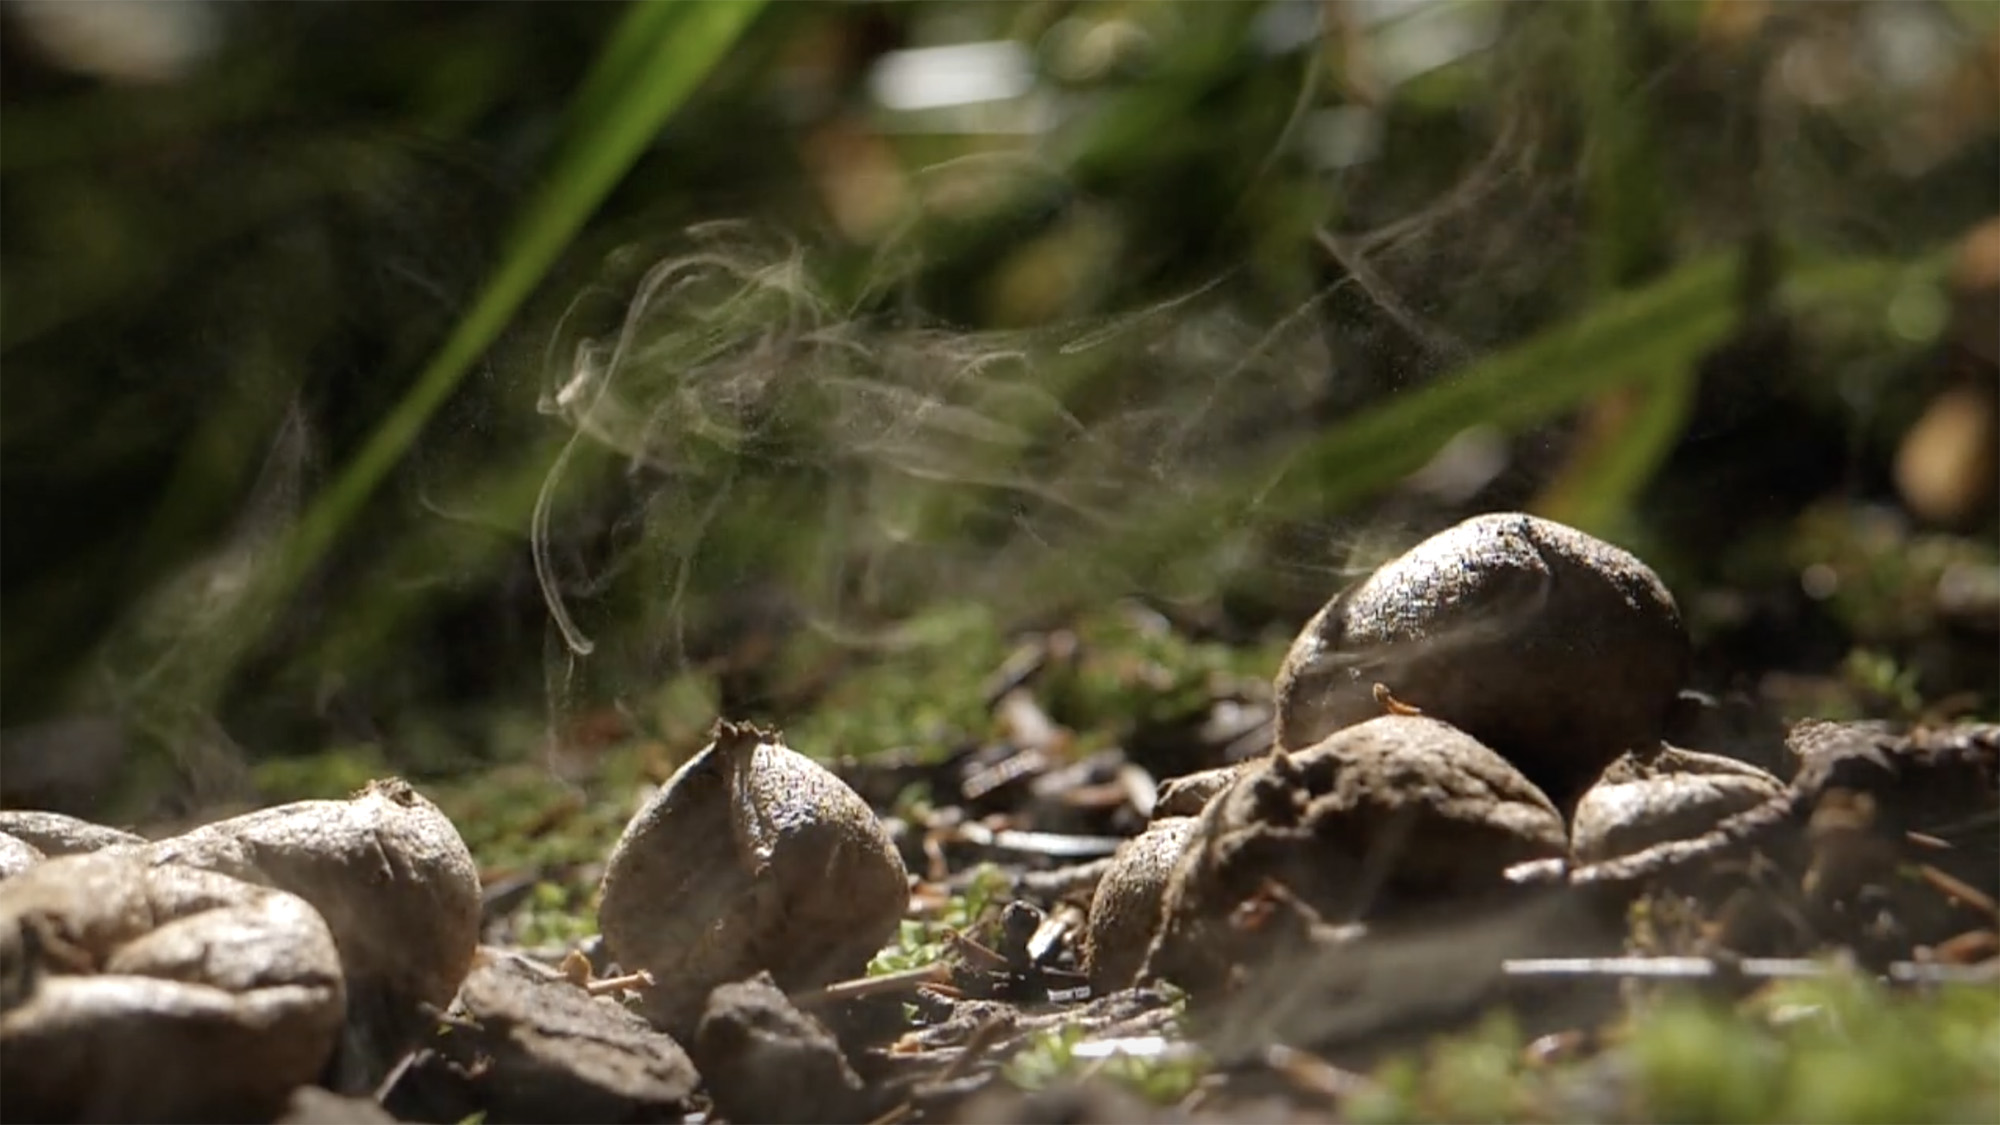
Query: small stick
{"points": [[1052, 844], [1953, 887], [976, 952], [1704, 968], [976, 1046], [900, 1111], [608, 985], [387, 1086], [1926, 840], [1061, 882], [1314, 1075], [887, 984]]}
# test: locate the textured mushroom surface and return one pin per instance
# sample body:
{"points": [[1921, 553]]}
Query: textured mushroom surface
{"points": [[1666, 794], [388, 871], [1190, 793], [1555, 648], [54, 833], [17, 855], [1397, 813], [135, 992], [751, 858], [394, 881], [1125, 911]]}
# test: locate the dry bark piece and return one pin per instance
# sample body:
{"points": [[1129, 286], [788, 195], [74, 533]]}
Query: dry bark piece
{"points": [[395, 883], [1399, 813], [17, 855], [535, 1047], [136, 992], [764, 1060], [54, 833], [1554, 648], [1668, 794], [1125, 911], [751, 858]]}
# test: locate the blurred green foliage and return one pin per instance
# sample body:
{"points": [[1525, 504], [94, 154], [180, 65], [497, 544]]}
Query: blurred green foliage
{"points": [[1839, 1049], [372, 380]]}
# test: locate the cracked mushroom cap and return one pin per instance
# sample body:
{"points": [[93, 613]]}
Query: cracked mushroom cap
{"points": [[1396, 814], [385, 868], [1554, 648], [1664, 794], [134, 992]]}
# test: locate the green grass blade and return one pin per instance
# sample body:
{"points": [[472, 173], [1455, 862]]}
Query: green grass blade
{"points": [[619, 64], [1625, 340], [1599, 487], [635, 92]]}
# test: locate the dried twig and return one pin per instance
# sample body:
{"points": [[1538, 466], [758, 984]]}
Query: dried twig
{"points": [[989, 1032], [1052, 844], [1757, 968], [887, 984], [608, 985], [1077, 880], [1313, 1075], [1953, 887]]}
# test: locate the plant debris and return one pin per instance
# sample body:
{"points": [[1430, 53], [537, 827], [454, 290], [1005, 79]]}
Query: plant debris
{"points": [[1043, 918]]}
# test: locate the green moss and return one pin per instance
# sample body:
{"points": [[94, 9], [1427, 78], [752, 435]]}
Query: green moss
{"points": [[1837, 1050], [327, 776], [1051, 1057], [522, 817], [920, 942], [921, 691], [1133, 671], [554, 914]]}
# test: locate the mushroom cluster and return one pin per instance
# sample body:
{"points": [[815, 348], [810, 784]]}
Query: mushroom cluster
{"points": [[1499, 693], [208, 975], [1497, 696]]}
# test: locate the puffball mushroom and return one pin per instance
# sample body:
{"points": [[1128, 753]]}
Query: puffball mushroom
{"points": [[54, 833], [394, 881], [1398, 813], [17, 855], [1664, 794], [1125, 910], [751, 858], [385, 868], [135, 992], [1554, 648]]}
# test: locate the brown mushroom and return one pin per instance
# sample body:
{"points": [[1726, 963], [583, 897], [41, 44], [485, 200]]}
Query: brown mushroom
{"points": [[1400, 812], [1554, 648], [752, 857], [1125, 911]]}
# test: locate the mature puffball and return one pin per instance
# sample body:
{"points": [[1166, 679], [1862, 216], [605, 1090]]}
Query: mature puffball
{"points": [[17, 855], [1554, 648], [1664, 794], [752, 858], [387, 870], [135, 992], [394, 881], [54, 833], [1396, 814], [1125, 911]]}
